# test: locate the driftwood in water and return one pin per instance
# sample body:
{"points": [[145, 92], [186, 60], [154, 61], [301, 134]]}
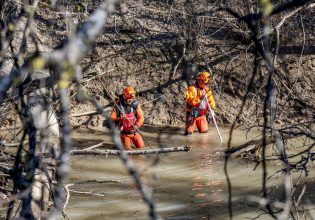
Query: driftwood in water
{"points": [[99, 145], [131, 152], [251, 145], [246, 147], [84, 114]]}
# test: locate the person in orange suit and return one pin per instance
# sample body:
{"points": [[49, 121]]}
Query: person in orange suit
{"points": [[197, 108], [128, 115]]}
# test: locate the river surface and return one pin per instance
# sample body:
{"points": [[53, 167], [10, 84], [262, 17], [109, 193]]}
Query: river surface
{"points": [[184, 185]]}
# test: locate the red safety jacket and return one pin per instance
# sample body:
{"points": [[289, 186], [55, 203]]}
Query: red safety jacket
{"points": [[127, 116], [128, 120]]}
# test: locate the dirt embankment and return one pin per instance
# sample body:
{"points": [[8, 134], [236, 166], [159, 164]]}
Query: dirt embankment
{"points": [[164, 102]]}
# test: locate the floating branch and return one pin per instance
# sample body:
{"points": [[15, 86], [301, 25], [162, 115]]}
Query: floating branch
{"points": [[84, 114], [250, 145], [93, 181], [102, 144], [253, 145], [131, 152]]}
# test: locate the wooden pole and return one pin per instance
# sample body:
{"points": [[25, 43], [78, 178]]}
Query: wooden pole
{"points": [[213, 118]]}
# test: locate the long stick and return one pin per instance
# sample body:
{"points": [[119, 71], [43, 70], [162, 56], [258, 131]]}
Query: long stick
{"points": [[213, 118], [133, 125], [131, 152]]}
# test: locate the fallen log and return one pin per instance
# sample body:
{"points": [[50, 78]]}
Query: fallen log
{"points": [[15, 144], [131, 152], [252, 145], [84, 114], [102, 144], [248, 146]]}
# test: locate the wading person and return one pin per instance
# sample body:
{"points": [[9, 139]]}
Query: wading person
{"points": [[197, 109], [128, 115]]}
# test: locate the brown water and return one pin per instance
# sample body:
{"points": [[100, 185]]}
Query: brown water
{"points": [[185, 185]]}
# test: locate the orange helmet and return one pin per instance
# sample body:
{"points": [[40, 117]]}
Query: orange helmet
{"points": [[129, 92], [204, 76]]}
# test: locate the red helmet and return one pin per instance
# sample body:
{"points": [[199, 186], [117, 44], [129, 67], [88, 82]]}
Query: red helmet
{"points": [[129, 92], [204, 76]]}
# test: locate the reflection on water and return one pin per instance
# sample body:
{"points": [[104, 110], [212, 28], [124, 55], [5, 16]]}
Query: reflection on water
{"points": [[206, 188], [185, 185]]}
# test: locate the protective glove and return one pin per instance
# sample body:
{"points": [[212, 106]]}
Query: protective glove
{"points": [[212, 112]]}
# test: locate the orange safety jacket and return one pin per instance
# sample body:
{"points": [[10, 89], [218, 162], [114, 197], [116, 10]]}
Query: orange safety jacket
{"points": [[126, 116], [194, 96]]}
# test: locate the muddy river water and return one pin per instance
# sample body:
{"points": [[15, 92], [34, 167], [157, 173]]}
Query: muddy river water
{"points": [[184, 185]]}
